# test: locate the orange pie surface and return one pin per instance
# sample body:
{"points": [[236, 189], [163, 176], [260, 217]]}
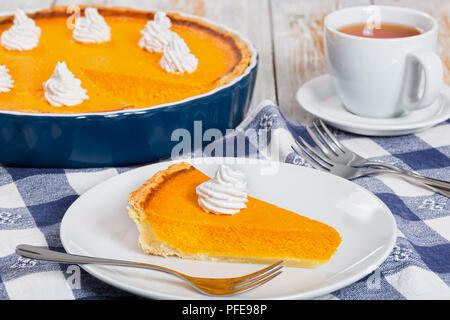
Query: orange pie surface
{"points": [[118, 74], [171, 222]]}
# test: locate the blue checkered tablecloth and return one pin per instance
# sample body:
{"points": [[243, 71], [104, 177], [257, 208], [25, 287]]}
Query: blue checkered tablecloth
{"points": [[33, 202]]}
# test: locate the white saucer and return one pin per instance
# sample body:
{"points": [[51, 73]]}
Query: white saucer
{"points": [[318, 96]]}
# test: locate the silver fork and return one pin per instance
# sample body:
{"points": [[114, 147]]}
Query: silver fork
{"points": [[318, 161], [208, 286], [332, 149]]}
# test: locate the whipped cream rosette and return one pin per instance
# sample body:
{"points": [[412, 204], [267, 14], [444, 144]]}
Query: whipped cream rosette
{"points": [[23, 35], [92, 28], [6, 82], [177, 57], [63, 89], [156, 33], [226, 193]]}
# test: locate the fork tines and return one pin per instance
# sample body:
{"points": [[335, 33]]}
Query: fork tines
{"points": [[256, 279], [314, 159], [327, 143]]}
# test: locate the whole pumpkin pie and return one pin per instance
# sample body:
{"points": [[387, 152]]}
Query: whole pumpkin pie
{"points": [[172, 223], [118, 74]]}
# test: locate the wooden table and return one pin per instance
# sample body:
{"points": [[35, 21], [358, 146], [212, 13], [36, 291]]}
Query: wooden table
{"points": [[286, 33]]}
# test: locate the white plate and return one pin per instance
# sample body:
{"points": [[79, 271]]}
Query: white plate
{"points": [[97, 224], [318, 96]]}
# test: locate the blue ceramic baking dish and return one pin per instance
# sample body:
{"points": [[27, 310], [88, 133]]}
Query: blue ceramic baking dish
{"points": [[123, 137]]}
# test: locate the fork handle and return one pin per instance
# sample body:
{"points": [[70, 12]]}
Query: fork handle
{"points": [[39, 253], [419, 182], [430, 181]]}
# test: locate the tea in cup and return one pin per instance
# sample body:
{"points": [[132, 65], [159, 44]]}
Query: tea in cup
{"points": [[383, 60]]}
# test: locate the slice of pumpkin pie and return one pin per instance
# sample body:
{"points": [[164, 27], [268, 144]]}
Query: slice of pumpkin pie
{"points": [[182, 212]]}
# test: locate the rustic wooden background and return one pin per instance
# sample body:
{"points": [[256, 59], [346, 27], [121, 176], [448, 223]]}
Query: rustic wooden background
{"points": [[286, 33]]}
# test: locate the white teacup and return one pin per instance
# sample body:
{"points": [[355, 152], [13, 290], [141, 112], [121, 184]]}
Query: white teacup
{"points": [[383, 78]]}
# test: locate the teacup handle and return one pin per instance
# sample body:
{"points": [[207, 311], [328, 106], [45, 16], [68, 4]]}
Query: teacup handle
{"points": [[430, 64]]}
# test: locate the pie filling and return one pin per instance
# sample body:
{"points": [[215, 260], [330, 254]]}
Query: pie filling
{"points": [[117, 74], [259, 232]]}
